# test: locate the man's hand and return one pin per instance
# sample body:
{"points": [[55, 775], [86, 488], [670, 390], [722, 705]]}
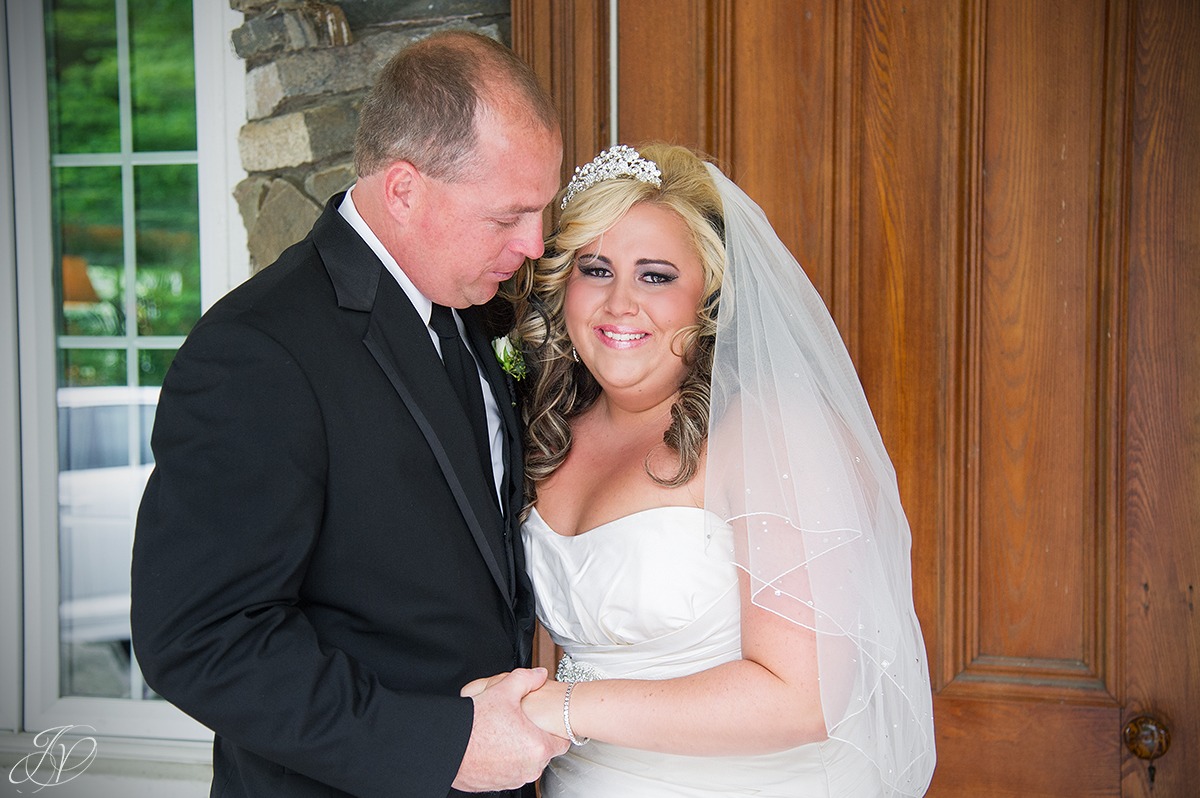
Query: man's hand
{"points": [[474, 688], [505, 750]]}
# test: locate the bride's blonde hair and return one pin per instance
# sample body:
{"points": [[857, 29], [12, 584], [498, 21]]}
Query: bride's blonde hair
{"points": [[560, 388]]}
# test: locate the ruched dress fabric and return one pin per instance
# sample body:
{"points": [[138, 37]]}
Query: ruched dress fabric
{"points": [[653, 595]]}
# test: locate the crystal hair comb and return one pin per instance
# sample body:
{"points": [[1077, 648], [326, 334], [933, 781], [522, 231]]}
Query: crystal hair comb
{"points": [[617, 161]]}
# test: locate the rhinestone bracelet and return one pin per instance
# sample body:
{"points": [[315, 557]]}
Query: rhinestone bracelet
{"points": [[567, 717]]}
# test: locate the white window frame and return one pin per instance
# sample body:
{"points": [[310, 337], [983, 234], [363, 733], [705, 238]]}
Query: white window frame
{"points": [[29, 660], [10, 505]]}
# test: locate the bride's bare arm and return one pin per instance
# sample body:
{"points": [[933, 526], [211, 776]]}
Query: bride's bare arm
{"points": [[767, 701]]}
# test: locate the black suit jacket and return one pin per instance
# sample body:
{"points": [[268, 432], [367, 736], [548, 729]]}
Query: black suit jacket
{"points": [[320, 563]]}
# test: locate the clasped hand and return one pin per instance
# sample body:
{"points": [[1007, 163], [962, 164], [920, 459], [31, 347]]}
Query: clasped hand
{"points": [[507, 749]]}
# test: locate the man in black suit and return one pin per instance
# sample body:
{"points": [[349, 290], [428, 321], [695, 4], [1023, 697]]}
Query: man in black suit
{"points": [[327, 550]]}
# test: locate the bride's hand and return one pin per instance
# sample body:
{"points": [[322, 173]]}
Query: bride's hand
{"points": [[544, 706], [474, 688]]}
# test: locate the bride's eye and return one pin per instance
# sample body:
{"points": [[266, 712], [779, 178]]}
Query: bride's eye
{"points": [[659, 278], [590, 266]]}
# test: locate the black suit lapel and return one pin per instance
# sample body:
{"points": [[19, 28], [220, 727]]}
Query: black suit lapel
{"points": [[512, 488], [506, 400], [400, 343], [503, 387]]}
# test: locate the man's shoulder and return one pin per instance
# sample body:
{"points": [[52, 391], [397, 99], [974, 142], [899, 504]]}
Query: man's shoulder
{"points": [[297, 275], [305, 289], [301, 269]]}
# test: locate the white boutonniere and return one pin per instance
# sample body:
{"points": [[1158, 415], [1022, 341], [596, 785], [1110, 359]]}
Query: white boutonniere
{"points": [[510, 357]]}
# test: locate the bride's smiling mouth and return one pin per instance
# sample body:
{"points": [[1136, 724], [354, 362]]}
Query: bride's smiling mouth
{"points": [[617, 338]]}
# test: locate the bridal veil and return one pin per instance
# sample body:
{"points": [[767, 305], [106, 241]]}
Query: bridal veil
{"points": [[795, 459]]}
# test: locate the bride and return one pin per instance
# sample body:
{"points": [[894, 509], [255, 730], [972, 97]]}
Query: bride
{"points": [[714, 532]]}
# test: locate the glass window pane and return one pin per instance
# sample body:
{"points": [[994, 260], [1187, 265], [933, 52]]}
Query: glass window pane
{"points": [[168, 249], [97, 669], [81, 42], [153, 365], [91, 435], [162, 75], [91, 367], [146, 420], [109, 384], [104, 463], [90, 248]]}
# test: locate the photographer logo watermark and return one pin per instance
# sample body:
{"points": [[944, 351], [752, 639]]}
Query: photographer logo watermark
{"points": [[57, 760]]}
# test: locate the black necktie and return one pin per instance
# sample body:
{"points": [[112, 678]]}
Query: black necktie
{"points": [[464, 376]]}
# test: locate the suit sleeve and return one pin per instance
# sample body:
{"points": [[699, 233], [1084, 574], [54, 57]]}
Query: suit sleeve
{"points": [[226, 527]]}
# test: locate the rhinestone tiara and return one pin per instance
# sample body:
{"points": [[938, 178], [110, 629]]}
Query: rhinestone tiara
{"points": [[617, 161]]}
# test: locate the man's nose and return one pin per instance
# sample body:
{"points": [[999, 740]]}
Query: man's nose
{"points": [[529, 240]]}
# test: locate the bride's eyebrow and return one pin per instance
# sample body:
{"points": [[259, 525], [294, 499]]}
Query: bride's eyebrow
{"points": [[656, 262], [591, 257]]}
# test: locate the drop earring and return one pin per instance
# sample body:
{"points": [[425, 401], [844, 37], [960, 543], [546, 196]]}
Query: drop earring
{"points": [[574, 354]]}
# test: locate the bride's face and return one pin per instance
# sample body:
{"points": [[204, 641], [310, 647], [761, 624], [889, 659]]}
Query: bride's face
{"points": [[629, 295]]}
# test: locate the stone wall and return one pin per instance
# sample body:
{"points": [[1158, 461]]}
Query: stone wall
{"points": [[308, 65]]}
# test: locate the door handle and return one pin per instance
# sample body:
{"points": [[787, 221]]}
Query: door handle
{"points": [[1147, 738]]}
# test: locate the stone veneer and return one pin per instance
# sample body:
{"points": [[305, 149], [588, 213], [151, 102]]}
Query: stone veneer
{"points": [[308, 65]]}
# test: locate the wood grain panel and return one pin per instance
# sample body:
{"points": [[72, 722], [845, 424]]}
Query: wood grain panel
{"points": [[664, 63], [904, 140], [789, 129], [1024, 750], [1161, 480], [1039, 330], [567, 46]]}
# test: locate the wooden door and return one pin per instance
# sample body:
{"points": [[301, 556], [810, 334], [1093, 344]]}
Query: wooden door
{"points": [[998, 200]]}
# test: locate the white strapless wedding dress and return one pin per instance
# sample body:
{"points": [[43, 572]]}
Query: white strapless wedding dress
{"points": [[649, 596]]}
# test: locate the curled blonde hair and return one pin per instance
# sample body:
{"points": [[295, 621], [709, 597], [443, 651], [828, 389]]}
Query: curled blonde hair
{"points": [[559, 388]]}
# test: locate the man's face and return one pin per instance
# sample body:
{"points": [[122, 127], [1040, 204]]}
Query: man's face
{"points": [[467, 237]]}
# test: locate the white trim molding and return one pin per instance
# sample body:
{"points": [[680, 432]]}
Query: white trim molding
{"points": [[220, 114], [10, 439]]}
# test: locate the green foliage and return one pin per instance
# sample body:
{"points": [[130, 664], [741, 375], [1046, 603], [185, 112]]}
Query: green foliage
{"points": [[91, 367], [82, 76], [163, 75], [89, 201], [84, 79], [168, 249]]}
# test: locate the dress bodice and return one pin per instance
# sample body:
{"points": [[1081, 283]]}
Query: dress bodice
{"points": [[649, 595], [653, 595]]}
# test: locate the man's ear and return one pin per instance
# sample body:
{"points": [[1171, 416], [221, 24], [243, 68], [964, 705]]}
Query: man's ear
{"points": [[402, 189]]}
